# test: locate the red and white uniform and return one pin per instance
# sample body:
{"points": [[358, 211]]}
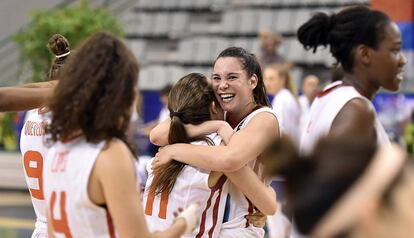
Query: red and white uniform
{"points": [[324, 110], [191, 186], [66, 172], [33, 154], [237, 225]]}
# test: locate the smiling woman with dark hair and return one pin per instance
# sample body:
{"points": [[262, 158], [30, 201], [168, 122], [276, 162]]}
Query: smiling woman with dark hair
{"points": [[367, 45]]}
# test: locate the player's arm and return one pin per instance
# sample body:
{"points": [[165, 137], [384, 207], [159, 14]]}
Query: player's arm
{"points": [[47, 84], [262, 196], [159, 135], [244, 146], [355, 119], [115, 172], [22, 99]]}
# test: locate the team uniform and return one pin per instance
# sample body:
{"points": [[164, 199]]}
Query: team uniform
{"points": [[66, 172], [324, 110], [33, 154], [237, 225], [304, 112], [288, 114], [191, 186]]}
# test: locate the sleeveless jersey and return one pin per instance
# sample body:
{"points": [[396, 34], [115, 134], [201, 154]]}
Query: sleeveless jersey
{"points": [[67, 170], [191, 186], [34, 152], [288, 114], [324, 110], [240, 206]]}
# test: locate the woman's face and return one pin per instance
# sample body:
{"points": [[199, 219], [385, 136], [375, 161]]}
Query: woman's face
{"points": [[388, 61], [232, 86], [273, 81]]}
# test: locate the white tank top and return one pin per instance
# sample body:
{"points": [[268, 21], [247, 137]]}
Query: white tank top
{"points": [[67, 170], [34, 152], [288, 114], [191, 186], [240, 206], [324, 110]]}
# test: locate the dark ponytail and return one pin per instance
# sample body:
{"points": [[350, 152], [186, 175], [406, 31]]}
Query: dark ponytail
{"points": [[316, 31], [59, 46], [344, 31]]}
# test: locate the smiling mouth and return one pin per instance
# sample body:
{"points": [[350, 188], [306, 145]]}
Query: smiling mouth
{"points": [[400, 76], [226, 97]]}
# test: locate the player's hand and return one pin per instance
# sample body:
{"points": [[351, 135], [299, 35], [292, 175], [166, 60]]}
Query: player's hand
{"points": [[162, 157], [257, 219], [191, 215]]}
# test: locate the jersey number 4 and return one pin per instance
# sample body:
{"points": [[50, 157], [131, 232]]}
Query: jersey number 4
{"points": [[30, 158], [61, 225]]}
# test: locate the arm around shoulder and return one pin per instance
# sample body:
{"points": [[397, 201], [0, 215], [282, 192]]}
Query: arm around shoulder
{"points": [[244, 146]]}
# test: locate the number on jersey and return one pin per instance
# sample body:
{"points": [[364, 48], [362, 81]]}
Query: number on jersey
{"points": [[163, 204], [61, 225], [30, 158]]}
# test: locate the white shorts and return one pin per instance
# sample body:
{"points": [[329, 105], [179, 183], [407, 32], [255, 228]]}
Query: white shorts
{"points": [[40, 230]]}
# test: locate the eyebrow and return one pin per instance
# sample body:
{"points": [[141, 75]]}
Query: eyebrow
{"points": [[234, 73], [231, 73]]}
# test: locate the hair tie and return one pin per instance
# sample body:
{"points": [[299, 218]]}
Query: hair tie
{"points": [[63, 55], [175, 113]]}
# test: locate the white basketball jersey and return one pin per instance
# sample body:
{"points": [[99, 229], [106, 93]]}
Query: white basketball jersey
{"points": [[288, 114], [324, 110], [34, 152], [240, 206], [67, 170], [191, 186]]}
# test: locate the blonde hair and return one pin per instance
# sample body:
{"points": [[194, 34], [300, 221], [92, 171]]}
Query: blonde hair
{"points": [[284, 71]]}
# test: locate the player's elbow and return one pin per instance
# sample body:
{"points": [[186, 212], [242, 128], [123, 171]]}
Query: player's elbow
{"points": [[270, 208], [231, 162], [157, 139]]}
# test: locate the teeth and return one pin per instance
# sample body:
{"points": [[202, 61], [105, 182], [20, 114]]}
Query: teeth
{"points": [[400, 76], [227, 97], [224, 96]]}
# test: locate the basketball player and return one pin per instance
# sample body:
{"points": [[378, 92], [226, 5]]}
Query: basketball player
{"points": [[32, 144], [192, 101], [238, 86], [89, 174], [367, 45]]}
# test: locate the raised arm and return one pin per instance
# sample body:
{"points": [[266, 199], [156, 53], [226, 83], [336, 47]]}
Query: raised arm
{"points": [[47, 84], [244, 146], [22, 99]]}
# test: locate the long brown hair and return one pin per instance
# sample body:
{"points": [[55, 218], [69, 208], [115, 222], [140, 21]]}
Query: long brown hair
{"points": [[59, 46], [96, 92], [189, 103]]}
